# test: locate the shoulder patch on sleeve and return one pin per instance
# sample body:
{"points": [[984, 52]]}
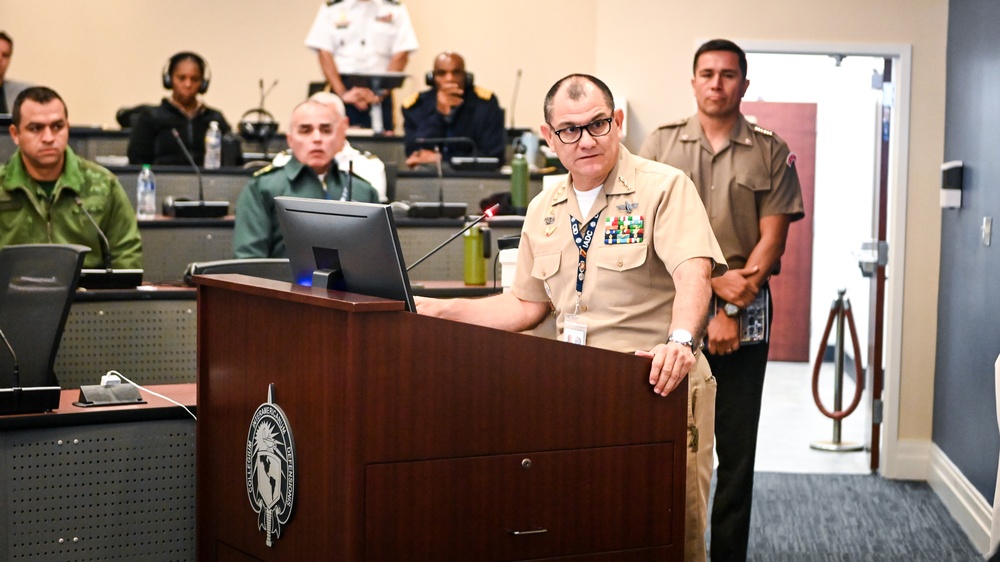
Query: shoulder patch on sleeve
{"points": [[790, 161], [763, 131], [408, 102], [674, 124], [483, 93]]}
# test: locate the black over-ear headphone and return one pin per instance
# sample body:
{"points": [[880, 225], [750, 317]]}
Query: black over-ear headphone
{"points": [[429, 80], [168, 70]]}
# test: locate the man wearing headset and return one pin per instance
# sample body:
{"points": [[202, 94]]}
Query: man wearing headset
{"points": [[453, 107], [152, 139]]}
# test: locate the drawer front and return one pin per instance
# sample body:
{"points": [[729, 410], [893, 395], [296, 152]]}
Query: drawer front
{"points": [[533, 505]]}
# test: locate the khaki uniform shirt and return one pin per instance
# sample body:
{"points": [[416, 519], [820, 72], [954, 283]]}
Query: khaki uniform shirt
{"points": [[628, 290], [753, 176]]}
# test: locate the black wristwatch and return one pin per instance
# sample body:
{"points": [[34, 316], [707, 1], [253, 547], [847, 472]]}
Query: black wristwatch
{"points": [[732, 310], [682, 337]]}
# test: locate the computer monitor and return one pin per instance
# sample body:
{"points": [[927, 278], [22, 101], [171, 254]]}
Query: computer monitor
{"points": [[344, 246]]}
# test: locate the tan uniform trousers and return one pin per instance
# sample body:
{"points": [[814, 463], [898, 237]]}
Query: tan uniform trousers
{"points": [[700, 459]]}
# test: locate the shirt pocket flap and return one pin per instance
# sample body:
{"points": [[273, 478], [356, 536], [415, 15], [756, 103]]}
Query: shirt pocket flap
{"points": [[546, 265], [620, 257], [753, 183]]}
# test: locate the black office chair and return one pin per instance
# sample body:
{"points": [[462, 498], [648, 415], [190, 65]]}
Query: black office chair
{"points": [[277, 269], [37, 282]]}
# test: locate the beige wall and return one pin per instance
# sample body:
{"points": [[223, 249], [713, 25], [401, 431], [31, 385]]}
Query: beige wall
{"points": [[103, 54]]}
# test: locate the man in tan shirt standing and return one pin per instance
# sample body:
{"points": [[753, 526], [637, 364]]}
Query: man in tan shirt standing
{"points": [[621, 252], [746, 177]]}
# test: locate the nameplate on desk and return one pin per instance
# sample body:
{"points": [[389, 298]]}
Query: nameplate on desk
{"points": [[29, 400], [108, 395], [110, 278]]}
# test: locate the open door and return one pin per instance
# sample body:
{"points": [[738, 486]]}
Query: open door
{"points": [[792, 289], [873, 262]]}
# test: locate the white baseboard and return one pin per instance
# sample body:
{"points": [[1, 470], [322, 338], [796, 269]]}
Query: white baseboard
{"points": [[909, 460], [969, 508]]}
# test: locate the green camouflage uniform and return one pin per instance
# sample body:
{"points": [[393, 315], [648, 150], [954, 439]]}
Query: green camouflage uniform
{"points": [[29, 216], [257, 233]]}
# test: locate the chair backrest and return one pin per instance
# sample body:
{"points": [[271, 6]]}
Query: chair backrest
{"points": [[277, 269], [37, 282]]}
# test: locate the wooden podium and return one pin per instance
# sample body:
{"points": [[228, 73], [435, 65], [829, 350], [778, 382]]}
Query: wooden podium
{"points": [[417, 438]]}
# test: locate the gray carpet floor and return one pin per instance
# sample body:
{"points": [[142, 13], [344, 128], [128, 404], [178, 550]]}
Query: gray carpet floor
{"points": [[838, 518]]}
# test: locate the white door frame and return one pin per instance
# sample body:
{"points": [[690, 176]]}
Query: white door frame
{"points": [[890, 465]]}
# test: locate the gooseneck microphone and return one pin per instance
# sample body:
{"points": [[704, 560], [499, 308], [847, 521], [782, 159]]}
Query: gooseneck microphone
{"points": [[105, 245], [13, 356], [199, 208], [348, 191], [180, 143], [513, 97], [489, 213]]}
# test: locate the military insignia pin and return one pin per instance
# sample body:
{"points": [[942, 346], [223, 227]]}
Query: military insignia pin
{"points": [[270, 468], [628, 207]]}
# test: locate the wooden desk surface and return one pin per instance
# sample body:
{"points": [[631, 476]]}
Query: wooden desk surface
{"points": [[156, 408]]}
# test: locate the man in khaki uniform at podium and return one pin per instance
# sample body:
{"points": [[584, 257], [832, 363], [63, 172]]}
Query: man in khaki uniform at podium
{"points": [[622, 253]]}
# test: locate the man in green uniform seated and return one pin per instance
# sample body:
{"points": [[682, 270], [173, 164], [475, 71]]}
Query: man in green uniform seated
{"points": [[316, 134], [46, 190]]}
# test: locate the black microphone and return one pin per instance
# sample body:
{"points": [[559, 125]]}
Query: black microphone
{"points": [[489, 213], [13, 356], [199, 208], [109, 277], [105, 246], [180, 143], [349, 190], [513, 97]]}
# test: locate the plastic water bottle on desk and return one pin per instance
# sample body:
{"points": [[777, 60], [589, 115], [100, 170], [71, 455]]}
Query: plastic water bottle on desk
{"points": [[145, 194], [213, 146]]}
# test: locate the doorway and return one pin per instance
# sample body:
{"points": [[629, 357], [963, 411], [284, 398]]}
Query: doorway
{"points": [[844, 83]]}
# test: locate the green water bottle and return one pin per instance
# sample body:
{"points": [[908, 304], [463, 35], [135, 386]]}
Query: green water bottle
{"points": [[477, 250], [519, 180]]}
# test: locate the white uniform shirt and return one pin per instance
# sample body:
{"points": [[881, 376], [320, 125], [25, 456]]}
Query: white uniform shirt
{"points": [[363, 35]]}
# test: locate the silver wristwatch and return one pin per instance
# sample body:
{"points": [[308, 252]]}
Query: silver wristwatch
{"points": [[731, 310], [682, 337]]}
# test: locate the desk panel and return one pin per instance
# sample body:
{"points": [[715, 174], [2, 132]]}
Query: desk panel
{"points": [[168, 245], [148, 341], [177, 182], [77, 487]]}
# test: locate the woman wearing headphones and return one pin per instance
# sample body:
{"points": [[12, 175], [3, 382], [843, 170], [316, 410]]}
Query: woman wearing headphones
{"points": [[152, 139]]}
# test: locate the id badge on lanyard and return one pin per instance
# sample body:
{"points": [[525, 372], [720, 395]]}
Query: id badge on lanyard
{"points": [[574, 326]]}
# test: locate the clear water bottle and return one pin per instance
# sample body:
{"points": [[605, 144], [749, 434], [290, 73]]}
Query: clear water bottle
{"points": [[213, 146], [145, 195]]}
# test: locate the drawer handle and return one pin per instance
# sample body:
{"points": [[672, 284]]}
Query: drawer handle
{"points": [[535, 532]]}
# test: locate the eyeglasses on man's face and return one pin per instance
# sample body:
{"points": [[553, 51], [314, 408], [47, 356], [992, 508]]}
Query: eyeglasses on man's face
{"points": [[573, 133]]}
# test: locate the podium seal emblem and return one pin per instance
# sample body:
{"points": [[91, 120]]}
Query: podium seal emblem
{"points": [[270, 468]]}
